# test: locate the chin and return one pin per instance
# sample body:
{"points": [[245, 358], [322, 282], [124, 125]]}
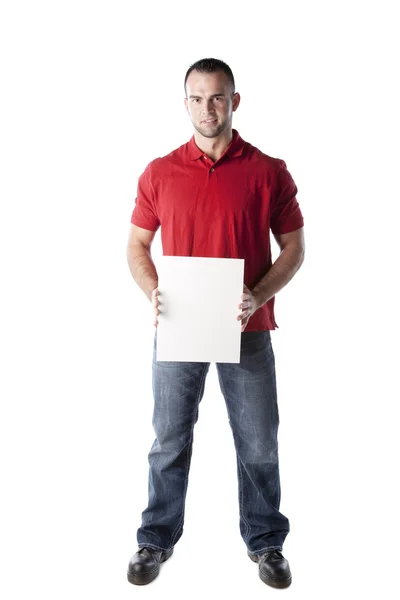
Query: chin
{"points": [[210, 132]]}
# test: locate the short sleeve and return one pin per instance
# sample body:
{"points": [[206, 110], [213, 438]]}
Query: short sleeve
{"points": [[286, 215], [144, 213]]}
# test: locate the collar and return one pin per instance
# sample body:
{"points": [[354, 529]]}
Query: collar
{"points": [[235, 147]]}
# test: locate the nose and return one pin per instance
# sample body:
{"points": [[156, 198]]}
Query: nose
{"points": [[208, 104]]}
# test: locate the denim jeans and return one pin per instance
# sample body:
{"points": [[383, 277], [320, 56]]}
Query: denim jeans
{"points": [[249, 390]]}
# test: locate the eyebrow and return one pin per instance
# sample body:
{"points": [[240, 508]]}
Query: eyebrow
{"points": [[212, 95]]}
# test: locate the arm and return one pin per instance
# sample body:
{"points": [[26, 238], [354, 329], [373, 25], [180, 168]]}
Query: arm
{"points": [[284, 268], [139, 258]]}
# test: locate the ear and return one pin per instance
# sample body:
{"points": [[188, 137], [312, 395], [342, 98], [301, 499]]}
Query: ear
{"points": [[236, 101]]}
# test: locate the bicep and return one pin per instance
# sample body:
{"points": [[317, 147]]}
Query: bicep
{"points": [[138, 235], [293, 238]]}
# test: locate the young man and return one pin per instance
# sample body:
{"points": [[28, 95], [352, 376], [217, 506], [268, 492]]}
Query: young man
{"points": [[217, 196]]}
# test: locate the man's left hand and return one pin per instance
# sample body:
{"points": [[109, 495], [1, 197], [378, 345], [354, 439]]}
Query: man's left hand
{"points": [[249, 305]]}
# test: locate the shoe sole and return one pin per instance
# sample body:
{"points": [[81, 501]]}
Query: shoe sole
{"points": [[276, 583], [144, 578]]}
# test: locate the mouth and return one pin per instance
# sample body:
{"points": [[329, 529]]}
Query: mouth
{"points": [[210, 121]]}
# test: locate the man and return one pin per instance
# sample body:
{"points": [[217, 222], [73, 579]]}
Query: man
{"points": [[217, 196]]}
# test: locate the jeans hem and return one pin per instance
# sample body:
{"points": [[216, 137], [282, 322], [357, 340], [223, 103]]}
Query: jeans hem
{"points": [[258, 552], [144, 545]]}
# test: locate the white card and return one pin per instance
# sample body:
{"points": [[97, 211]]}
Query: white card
{"points": [[199, 300]]}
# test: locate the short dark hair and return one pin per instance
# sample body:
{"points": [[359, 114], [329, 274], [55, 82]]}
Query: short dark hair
{"points": [[211, 65]]}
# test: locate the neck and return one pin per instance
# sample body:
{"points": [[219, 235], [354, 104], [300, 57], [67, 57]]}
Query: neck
{"points": [[216, 146]]}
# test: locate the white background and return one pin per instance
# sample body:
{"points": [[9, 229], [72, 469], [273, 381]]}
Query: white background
{"points": [[91, 92]]}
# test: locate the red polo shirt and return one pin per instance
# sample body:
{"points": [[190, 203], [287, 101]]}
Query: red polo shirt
{"points": [[221, 209]]}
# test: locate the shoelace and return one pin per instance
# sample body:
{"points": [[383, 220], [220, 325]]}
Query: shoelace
{"points": [[149, 550], [277, 553], [144, 548]]}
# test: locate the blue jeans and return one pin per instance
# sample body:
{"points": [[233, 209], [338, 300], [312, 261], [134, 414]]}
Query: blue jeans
{"points": [[249, 389]]}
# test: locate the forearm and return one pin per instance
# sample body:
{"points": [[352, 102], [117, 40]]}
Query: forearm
{"points": [[281, 272], [142, 268]]}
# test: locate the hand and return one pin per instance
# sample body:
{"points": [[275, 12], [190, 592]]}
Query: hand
{"points": [[155, 302], [249, 305]]}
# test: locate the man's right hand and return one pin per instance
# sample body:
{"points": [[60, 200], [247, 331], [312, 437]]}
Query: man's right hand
{"points": [[155, 302]]}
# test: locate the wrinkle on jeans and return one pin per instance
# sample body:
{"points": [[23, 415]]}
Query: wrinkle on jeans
{"points": [[249, 390]]}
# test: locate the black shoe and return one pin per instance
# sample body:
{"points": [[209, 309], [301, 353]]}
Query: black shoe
{"points": [[144, 566], [273, 569]]}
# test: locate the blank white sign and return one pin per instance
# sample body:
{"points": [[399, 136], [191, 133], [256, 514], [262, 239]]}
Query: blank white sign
{"points": [[199, 300]]}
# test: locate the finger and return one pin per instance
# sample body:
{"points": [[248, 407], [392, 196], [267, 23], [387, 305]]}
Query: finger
{"points": [[244, 308], [156, 313], [245, 304], [243, 315]]}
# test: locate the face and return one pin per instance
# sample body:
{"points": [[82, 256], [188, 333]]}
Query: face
{"points": [[210, 102]]}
